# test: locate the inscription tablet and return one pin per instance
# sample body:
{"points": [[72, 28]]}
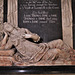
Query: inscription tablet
{"points": [[42, 17]]}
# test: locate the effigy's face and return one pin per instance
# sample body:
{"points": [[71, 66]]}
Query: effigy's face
{"points": [[8, 28]]}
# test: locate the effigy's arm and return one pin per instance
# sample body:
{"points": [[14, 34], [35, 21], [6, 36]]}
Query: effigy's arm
{"points": [[33, 36]]}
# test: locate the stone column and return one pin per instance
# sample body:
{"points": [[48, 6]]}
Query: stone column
{"points": [[1, 18], [67, 22], [13, 12]]}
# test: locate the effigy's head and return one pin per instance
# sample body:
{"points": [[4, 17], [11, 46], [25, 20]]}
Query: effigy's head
{"points": [[8, 27]]}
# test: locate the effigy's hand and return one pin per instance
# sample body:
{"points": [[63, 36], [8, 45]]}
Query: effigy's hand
{"points": [[35, 37], [5, 38], [26, 36], [5, 32]]}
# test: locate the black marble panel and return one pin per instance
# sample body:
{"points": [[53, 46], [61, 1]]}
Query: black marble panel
{"points": [[5, 11]]}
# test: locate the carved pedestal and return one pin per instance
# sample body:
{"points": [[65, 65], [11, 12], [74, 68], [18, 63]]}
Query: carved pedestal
{"points": [[6, 57]]}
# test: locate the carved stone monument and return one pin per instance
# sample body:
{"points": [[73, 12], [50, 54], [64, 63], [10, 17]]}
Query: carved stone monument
{"points": [[36, 19]]}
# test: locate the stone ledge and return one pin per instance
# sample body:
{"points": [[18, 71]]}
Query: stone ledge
{"points": [[43, 63]]}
